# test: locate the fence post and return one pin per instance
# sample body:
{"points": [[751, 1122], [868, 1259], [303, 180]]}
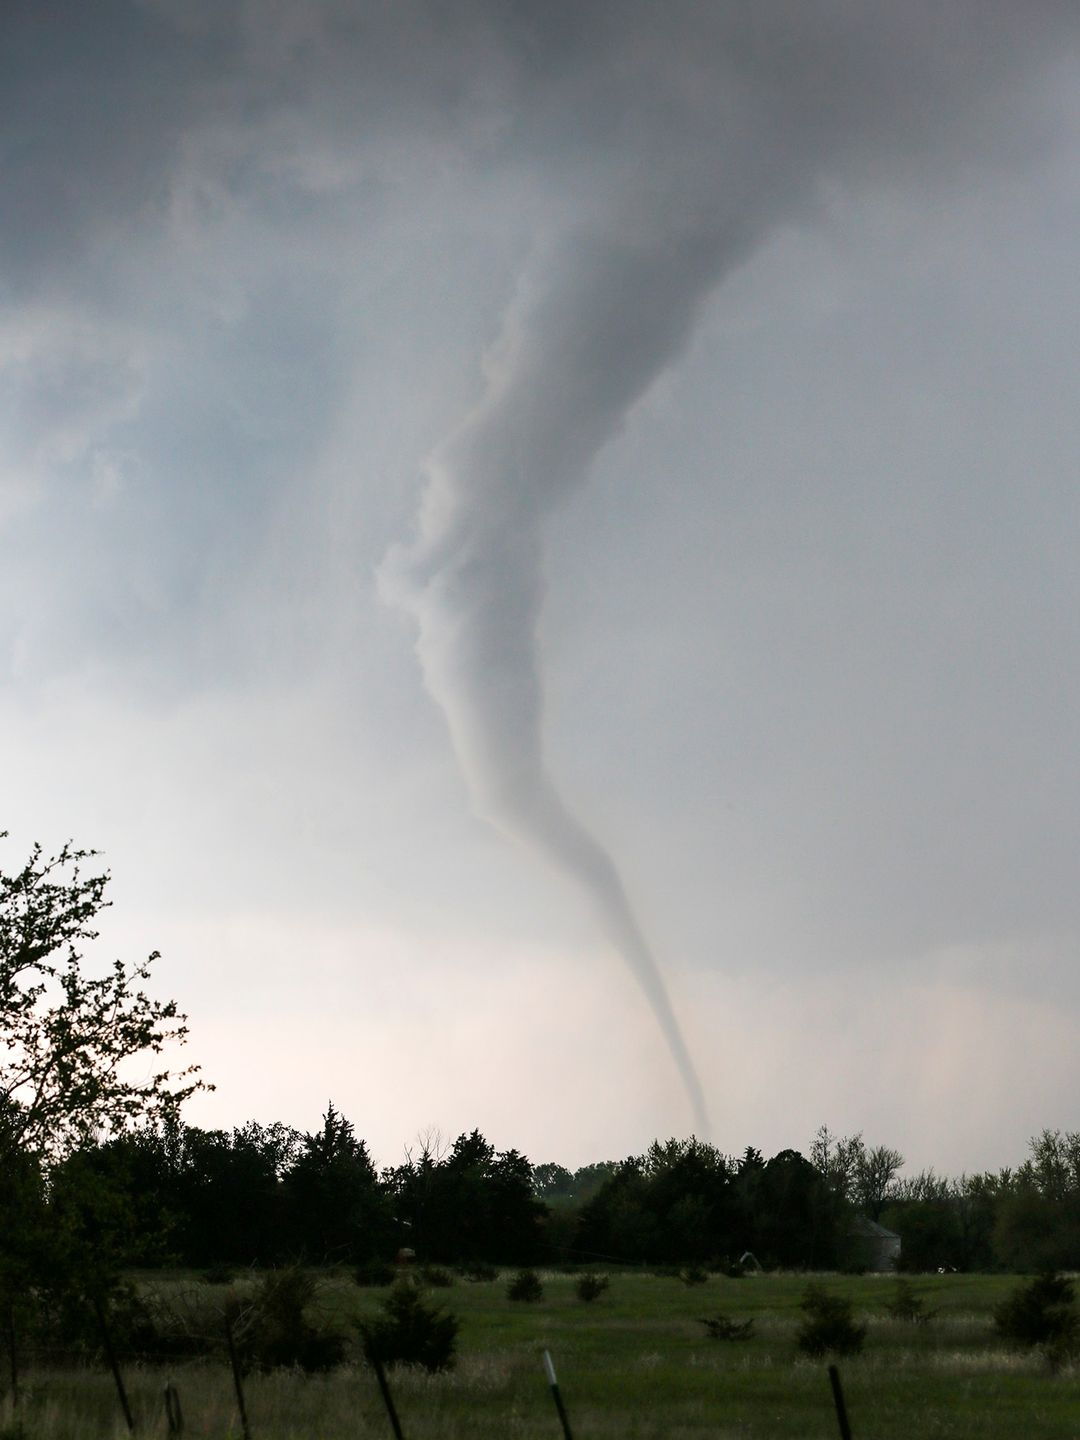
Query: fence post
{"points": [[838, 1401], [174, 1416], [384, 1390], [556, 1395], [13, 1353], [238, 1383], [110, 1356]]}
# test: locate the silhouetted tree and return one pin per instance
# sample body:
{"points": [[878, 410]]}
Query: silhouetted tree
{"points": [[875, 1170], [794, 1216], [22, 1233], [552, 1182], [335, 1207], [470, 1204], [65, 1035], [675, 1203], [225, 1190]]}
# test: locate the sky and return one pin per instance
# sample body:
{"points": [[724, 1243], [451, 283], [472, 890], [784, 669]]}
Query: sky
{"points": [[540, 542]]}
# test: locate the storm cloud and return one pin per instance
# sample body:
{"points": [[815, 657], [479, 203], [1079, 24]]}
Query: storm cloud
{"points": [[295, 296]]}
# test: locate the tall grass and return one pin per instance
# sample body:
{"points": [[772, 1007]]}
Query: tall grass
{"points": [[636, 1363]]}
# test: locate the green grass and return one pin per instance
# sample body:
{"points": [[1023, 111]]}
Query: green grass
{"points": [[635, 1363]]}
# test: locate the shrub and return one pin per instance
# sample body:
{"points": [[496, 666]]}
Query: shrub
{"points": [[1041, 1313], [65, 1320], [479, 1270], [907, 1305], [525, 1285], [693, 1275], [722, 1327], [411, 1332], [186, 1321], [828, 1327], [591, 1286], [375, 1272], [271, 1330], [437, 1277]]}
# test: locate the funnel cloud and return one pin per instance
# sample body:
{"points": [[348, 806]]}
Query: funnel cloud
{"points": [[603, 316], [709, 138], [603, 321]]}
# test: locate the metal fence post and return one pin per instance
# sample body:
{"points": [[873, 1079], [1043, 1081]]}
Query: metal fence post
{"points": [[556, 1395]]}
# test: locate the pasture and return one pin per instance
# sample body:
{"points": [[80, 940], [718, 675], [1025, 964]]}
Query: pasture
{"points": [[634, 1363]]}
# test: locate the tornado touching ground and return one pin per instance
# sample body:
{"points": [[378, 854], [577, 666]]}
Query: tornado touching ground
{"points": [[676, 138], [575, 355]]}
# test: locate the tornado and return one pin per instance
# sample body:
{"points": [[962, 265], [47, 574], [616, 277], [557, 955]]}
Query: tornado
{"points": [[695, 133], [598, 318]]}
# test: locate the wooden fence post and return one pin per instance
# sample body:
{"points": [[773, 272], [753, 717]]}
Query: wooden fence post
{"points": [[174, 1416], [238, 1382], [384, 1390], [110, 1356], [13, 1353], [838, 1401]]}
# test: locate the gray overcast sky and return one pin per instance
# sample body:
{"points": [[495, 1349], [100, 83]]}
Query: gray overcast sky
{"points": [[656, 424]]}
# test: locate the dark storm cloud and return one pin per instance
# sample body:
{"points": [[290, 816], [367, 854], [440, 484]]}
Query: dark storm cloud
{"points": [[97, 101], [181, 178]]}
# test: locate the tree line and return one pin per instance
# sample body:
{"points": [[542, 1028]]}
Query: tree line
{"points": [[172, 1194], [98, 1170]]}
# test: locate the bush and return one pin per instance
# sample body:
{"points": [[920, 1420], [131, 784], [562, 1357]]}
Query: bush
{"points": [[437, 1277], [525, 1285], [907, 1305], [271, 1330], [479, 1270], [722, 1327], [828, 1327], [375, 1272], [187, 1321], [65, 1320], [1041, 1313], [411, 1332], [590, 1287], [693, 1275]]}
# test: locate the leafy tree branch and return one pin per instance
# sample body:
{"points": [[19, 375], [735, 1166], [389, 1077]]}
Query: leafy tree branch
{"points": [[67, 1034]]}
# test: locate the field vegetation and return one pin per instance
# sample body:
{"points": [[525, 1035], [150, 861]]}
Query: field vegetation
{"points": [[638, 1362]]}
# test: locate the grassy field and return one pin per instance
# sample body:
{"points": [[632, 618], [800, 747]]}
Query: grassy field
{"points": [[635, 1363]]}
